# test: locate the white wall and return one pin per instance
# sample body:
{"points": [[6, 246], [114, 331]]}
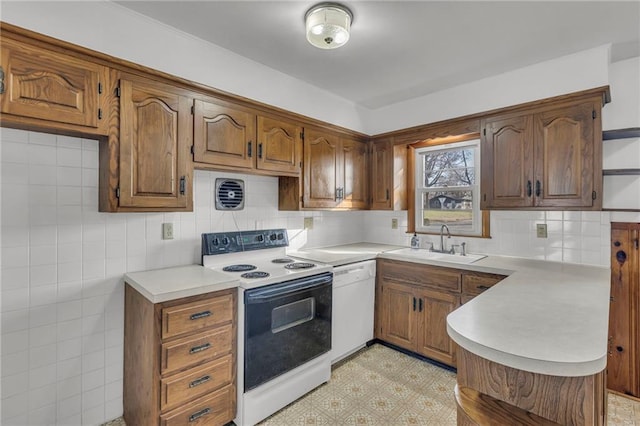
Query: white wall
{"points": [[109, 28], [62, 266]]}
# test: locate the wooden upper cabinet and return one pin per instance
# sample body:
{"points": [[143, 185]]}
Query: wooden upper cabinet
{"points": [[551, 158], [155, 140], [507, 162], [321, 169], [54, 87], [223, 135], [230, 136], [388, 178], [565, 157], [279, 145], [355, 188]]}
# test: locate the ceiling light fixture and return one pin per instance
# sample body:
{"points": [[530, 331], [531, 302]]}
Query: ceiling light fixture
{"points": [[328, 25]]}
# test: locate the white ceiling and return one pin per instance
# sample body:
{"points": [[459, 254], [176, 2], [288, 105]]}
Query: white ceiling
{"points": [[404, 49]]}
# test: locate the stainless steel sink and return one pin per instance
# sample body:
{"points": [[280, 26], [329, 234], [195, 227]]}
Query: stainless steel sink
{"points": [[440, 257]]}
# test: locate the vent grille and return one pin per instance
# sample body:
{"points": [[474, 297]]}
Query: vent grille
{"points": [[229, 194]]}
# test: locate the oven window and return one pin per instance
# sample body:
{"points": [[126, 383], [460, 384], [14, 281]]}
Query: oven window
{"points": [[292, 314]]}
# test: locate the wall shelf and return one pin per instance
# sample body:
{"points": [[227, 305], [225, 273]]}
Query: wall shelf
{"points": [[621, 172], [631, 132]]}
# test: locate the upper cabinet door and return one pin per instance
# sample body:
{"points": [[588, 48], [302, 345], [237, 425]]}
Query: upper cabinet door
{"points": [[507, 162], [224, 135], [382, 176], [155, 138], [564, 156], [50, 86], [321, 169], [279, 146], [355, 191]]}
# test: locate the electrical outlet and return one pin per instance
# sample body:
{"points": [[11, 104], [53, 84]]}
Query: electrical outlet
{"points": [[541, 230], [167, 231], [308, 222], [394, 223]]}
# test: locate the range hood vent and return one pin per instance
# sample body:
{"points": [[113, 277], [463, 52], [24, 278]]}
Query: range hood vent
{"points": [[229, 194]]}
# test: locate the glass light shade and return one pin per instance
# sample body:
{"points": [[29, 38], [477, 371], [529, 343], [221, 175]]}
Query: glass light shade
{"points": [[328, 25]]}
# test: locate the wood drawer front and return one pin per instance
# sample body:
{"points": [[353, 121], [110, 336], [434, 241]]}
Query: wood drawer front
{"points": [[216, 408], [423, 275], [183, 353], [476, 284], [194, 316], [195, 382]]}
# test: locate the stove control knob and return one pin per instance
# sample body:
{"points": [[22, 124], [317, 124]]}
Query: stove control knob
{"points": [[260, 238], [273, 237], [215, 241], [280, 236], [225, 241]]}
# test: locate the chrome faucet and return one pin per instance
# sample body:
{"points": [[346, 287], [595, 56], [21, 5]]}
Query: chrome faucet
{"points": [[442, 247]]}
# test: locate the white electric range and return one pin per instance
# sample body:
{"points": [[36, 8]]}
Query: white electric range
{"points": [[284, 319]]}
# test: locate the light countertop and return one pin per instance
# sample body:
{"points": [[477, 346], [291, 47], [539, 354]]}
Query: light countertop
{"points": [[343, 254], [545, 317], [161, 285]]}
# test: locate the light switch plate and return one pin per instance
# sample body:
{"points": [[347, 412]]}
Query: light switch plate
{"points": [[394, 223], [167, 231], [541, 230], [308, 222]]}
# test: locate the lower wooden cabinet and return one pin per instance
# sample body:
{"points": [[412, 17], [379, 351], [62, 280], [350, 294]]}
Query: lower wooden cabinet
{"points": [[413, 301], [180, 360], [623, 361]]}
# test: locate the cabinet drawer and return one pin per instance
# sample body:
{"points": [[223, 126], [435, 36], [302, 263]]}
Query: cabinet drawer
{"points": [[217, 408], [423, 275], [182, 353], [194, 316], [195, 382], [476, 284]]}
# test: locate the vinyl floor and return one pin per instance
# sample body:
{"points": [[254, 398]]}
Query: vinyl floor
{"points": [[383, 387]]}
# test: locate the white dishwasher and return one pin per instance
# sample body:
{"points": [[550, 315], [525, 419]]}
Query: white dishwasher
{"points": [[353, 305]]}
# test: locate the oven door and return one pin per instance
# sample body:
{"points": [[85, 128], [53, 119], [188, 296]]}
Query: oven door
{"points": [[286, 325]]}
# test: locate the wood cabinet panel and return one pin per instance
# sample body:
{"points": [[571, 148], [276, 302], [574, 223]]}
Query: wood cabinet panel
{"points": [[436, 277], [623, 363], [433, 340], [355, 185], [51, 86], [398, 315], [155, 139], [184, 387], [474, 284], [217, 408], [381, 175], [224, 135], [279, 145], [321, 169]]}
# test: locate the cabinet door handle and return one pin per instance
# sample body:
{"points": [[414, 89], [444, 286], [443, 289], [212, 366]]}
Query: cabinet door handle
{"points": [[420, 305], [199, 348], [387, 194], [529, 189], [1, 80], [195, 416], [538, 188], [198, 382], [414, 303], [259, 150], [483, 287], [249, 153], [183, 184], [199, 315]]}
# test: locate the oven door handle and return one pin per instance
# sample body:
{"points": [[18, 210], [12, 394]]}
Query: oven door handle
{"points": [[268, 293]]}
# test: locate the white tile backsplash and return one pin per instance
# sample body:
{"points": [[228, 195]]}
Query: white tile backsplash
{"points": [[62, 305]]}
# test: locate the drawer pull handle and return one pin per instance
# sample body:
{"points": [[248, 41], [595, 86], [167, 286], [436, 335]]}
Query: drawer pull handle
{"points": [[199, 315], [200, 348], [198, 382], [195, 416], [483, 287]]}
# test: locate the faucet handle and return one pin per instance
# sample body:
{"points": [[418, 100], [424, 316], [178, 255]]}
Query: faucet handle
{"points": [[430, 245], [453, 248], [464, 249]]}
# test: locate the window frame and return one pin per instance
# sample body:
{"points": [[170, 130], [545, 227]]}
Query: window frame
{"points": [[483, 218]]}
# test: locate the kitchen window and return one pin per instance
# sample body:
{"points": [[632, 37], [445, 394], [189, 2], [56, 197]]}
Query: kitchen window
{"points": [[447, 188]]}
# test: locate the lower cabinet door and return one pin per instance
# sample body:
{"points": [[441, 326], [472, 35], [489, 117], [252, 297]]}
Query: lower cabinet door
{"points": [[398, 315], [217, 408], [433, 340]]}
